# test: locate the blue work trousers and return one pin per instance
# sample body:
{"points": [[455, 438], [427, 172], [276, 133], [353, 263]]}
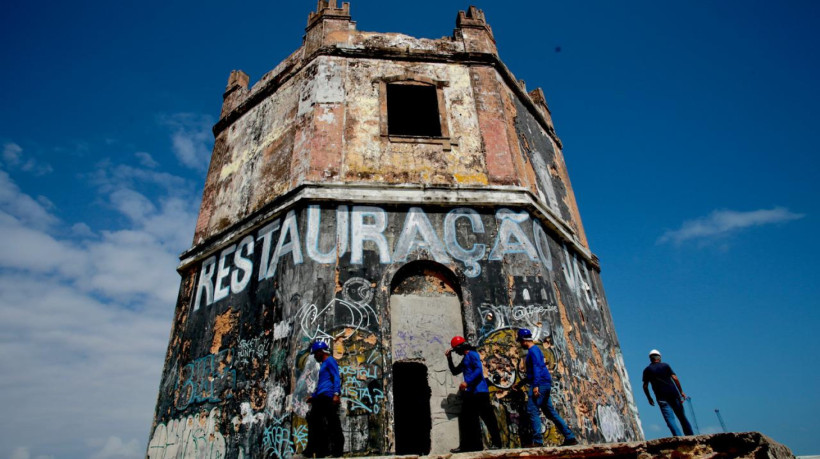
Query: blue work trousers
{"points": [[542, 403], [670, 409]]}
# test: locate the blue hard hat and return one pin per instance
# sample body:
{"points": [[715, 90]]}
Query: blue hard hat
{"points": [[319, 346], [524, 334]]}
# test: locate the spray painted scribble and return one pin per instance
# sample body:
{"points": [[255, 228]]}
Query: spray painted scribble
{"points": [[305, 385], [610, 422], [352, 311], [278, 440], [192, 437], [208, 379], [249, 350]]}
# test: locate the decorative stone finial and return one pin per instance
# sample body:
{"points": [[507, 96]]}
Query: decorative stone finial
{"points": [[473, 17], [472, 27], [328, 9]]}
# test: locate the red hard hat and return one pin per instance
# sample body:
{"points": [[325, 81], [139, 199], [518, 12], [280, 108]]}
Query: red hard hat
{"points": [[456, 341]]}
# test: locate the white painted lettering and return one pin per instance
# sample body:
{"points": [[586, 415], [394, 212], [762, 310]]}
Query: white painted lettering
{"points": [[289, 233], [360, 226], [224, 271], [542, 245], [510, 228], [470, 257], [373, 231], [342, 224], [416, 224], [206, 271], [244, 266], [575, 280], [314, 224], [265, 234]]}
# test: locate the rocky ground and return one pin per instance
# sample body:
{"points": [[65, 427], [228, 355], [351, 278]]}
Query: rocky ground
{"points": [[751, 445]]}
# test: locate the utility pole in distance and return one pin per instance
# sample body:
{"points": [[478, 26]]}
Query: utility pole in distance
{"points": [[720, 418], [694, 419]]}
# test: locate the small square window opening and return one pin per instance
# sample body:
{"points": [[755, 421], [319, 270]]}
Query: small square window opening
{"points": [[412, 110]]}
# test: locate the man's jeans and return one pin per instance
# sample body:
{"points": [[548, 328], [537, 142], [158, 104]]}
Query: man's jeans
{"points": [[543, 403], [670, 409]]}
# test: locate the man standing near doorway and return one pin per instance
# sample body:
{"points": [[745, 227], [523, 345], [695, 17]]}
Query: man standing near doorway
{"points": [[324, 427], [539, 381], [475, 396], [666, 385]]}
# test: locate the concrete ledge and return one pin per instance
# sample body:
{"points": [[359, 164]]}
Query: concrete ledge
{"points": [[751, 445]]}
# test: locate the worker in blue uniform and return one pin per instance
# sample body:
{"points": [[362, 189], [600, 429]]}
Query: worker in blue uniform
{"points": [[324, 427], [475, 396], [539, 382]]}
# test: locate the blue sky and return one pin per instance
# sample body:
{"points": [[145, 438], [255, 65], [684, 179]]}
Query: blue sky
{"points": [[688, 132]]}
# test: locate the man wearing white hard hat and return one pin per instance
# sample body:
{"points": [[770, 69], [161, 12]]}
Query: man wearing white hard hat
{"points": [[668, 392]]}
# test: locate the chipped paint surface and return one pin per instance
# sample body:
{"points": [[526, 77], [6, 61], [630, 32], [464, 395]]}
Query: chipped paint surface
{"points": [[318, 224], [322, 123], [327, 273]]}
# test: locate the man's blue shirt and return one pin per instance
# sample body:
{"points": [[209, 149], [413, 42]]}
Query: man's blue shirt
{"points": [[537, 372], [330, 382], [659, 374], [473, 372]]}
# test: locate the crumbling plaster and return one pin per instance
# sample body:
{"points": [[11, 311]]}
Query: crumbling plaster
{"points": [[316, 118]]}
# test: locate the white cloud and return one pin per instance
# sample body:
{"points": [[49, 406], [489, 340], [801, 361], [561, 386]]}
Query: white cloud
{"points": [[86, 314], [123, 265], [12, 153], [30, 211], [31, 249], [82, 230], [13, 157], [114, 448], [191, 139], [713, 429], [132, 204], [109, 177], [23, 453], [146, 159], [724, 222]]}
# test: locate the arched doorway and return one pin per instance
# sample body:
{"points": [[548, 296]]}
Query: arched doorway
{"points": [[425, 313]]}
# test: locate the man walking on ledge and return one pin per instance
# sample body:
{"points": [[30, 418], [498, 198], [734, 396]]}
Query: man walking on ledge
{"points": [[538, 394], [666, 385]]}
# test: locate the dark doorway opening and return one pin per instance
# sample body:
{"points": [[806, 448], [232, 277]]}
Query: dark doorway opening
{"points": [[411, 402]]}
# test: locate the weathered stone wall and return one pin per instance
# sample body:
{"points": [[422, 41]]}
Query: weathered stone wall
{"points": [[319, 118], [238, 359]]}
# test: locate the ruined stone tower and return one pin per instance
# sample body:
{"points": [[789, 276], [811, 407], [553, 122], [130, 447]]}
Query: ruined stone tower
{"points": [[383, 193]]}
